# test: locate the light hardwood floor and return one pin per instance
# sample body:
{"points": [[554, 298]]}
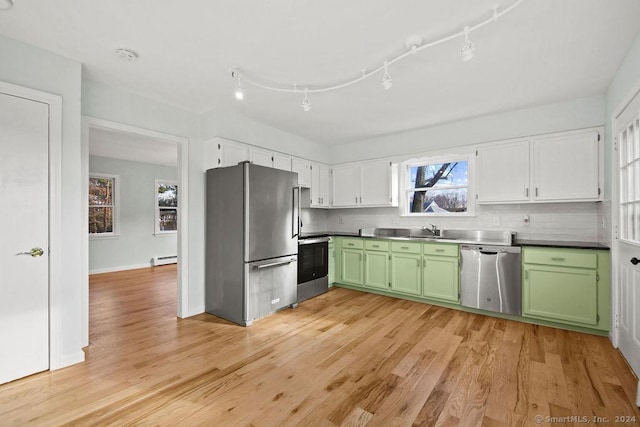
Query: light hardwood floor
{"points": [[343, 358]]}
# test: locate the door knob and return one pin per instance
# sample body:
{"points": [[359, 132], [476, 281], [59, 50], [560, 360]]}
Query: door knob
{"points": [[635, 261], [34, 252]]}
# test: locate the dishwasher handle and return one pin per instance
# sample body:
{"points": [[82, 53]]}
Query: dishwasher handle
{"points": [[488, 253]]}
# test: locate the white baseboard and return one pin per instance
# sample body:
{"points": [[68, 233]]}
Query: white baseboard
{"points": [[195, 310], [121, 268], [67, 360]]}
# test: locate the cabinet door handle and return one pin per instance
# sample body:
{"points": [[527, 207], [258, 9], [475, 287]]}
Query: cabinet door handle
{"points": [[356, 199], [557, 258], [404, 247], [526, 192], [349, 244], [360, 199], [417, 263], [439, 250], [635, 261], [536, 191], [375, 246], [424, 263]]}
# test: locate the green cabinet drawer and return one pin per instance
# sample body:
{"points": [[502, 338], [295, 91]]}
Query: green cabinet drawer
{"points": [[352, 243], [376, 245], [406, 247], [561, 258], [440, 249]]}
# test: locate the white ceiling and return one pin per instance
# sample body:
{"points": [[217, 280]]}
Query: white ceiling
{"points": [[544, 51], [135, 148]]}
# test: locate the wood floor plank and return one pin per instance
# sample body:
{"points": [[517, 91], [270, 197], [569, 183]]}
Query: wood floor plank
{"points": [[343, 358]]}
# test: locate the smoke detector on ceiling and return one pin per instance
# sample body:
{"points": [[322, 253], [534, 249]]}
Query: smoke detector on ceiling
{"points": [[126, 54], [6, 4]]}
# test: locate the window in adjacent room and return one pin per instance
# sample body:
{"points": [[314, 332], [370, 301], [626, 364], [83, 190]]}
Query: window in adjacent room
{"points": [[103, 204], [166, 207], [437, 186]]}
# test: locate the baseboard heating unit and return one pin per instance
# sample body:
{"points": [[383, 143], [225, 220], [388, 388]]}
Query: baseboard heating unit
{"points": [[162, 260]]}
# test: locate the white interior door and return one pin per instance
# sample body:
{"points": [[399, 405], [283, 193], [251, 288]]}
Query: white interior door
{"points": [[24, 219], [627, 244]]}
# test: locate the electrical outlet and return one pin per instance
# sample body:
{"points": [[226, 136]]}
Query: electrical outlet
{"points": [[526, 220], [603, 226]]}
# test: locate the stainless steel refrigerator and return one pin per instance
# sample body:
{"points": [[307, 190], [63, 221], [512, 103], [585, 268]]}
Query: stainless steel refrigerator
{"points": [[252, 241]]}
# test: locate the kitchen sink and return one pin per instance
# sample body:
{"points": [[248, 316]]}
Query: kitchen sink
{"points": [[453, 236]]}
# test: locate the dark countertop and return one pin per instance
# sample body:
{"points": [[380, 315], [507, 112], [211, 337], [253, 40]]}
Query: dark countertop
{"points": [[559, 244], [309, 234], [518, 242]]}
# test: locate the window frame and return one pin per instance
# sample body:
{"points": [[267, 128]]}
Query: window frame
{"points": [[115, 206], [405, 184], [158, 208]]}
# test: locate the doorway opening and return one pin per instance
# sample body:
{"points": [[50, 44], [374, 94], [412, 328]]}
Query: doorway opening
{"points": [[136, 199]]}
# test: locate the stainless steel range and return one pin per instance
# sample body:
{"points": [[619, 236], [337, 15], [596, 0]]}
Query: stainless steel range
{"points": [[313, 266]]}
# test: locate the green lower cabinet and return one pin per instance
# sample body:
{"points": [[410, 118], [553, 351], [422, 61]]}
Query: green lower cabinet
{"points": [[441, 278], [561, 294], [352, 271], [376, 270], [405, 273]]}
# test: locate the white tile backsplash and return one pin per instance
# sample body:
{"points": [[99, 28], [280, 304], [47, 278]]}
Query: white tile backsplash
{"points": [[552, 221]]}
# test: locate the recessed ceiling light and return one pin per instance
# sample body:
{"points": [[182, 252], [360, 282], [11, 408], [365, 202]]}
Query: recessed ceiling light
{"points": [[126, 54], [6, 4]]}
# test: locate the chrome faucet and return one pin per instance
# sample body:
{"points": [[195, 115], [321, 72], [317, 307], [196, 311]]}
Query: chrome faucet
{"points": [[434, 229]]}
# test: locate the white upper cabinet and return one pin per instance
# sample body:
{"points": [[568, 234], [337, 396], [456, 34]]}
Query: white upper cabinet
{"points": [[260, 157], [562, 167], [566, 168], [280, 161], [269, 159], [503, 173], [219, 152], [303, 168], [346, 186], [365, 184], [320, 186]]}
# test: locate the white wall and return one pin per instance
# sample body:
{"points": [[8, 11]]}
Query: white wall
{"points": [[568, 221], [136, 242], [569, 115], [31, 67], [108, 103], [241, 129]]}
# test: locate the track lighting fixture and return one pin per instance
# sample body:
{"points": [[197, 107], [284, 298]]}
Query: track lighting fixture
{"points": [[306, 104], [386, 78], [239, 92], [413, 45], [6, 4], [466, 51]]}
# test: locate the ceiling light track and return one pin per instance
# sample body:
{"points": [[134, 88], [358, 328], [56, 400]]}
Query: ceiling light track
{"points": [[413, 44]]}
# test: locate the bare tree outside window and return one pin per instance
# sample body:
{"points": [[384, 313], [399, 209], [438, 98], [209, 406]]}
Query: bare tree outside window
{"points": [[101, 205], [438, 187], [167, 207]]}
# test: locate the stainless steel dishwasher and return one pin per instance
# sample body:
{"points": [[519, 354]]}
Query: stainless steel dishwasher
{"points": [[490, 278]]}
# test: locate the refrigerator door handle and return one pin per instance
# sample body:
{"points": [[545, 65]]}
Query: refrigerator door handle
{"points": [[295, 220], [275, 264]]}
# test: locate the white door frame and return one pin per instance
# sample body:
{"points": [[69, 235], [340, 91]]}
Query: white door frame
{"points": [[56, 360], [615, 213], [183, 234]]}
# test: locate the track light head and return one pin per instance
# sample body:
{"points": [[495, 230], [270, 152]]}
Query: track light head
{"points": [[239, 92], [467, 49], [306, 104], [386, 78]]}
